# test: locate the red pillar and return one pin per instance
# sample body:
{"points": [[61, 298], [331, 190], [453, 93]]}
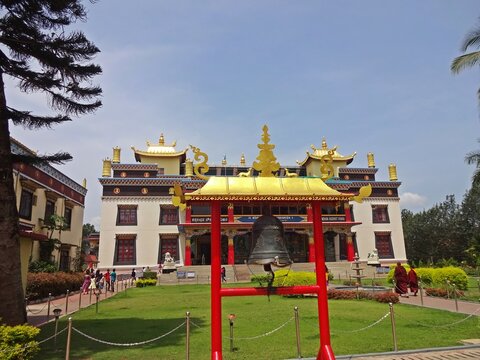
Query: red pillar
{"points": [[231, 250], [309, 213], [350, 248], [231, 218], [188, 214], [325, 352], [188, 253], [216, 300]]}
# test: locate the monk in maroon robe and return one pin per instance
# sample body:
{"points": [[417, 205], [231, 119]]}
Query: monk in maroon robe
{"points": [[401, 280], [413, 280]]}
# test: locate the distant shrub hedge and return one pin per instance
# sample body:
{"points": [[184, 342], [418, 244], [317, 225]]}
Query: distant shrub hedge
{"points": [[39, 285], [145, 282], [150, 275], [437, 277]]}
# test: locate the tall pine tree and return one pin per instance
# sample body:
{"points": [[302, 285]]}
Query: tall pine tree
{"points": [[42, 56]]}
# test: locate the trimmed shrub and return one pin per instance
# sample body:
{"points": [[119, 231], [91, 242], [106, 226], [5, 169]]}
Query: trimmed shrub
{"points": [[17, 342], [150, 275], [443, 293], [145, 282], [39, 285], [294, 278], [425, 275], [262, 279], [383, 297], [451, 274], [386, 297]]}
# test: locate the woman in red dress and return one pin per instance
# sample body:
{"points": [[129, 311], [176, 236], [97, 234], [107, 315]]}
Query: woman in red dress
{"points": [[401, 280]]}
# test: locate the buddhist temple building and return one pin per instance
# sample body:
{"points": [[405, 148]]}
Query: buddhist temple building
{"points": [[160, 204], [44, 193]]}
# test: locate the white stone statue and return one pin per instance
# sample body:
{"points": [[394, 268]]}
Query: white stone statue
{"points": [[169, 263], [372, 258]]}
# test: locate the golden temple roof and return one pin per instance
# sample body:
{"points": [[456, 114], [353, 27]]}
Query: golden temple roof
{"points": [[319, 152], [159, 150], [271, 188]]}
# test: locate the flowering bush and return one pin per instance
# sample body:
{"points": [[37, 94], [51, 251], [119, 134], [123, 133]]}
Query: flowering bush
{"points": [[383, 297], [145, 282]]}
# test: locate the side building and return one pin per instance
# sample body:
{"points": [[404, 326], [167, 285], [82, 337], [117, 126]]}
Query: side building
{"points": [[42, 192], [139, 222]]}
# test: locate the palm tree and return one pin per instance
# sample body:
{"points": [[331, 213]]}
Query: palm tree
{"points": [[473, 157], [472, 40]]}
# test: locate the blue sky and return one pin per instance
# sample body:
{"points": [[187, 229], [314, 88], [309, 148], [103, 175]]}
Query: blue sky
{"points": [[369, 76]]}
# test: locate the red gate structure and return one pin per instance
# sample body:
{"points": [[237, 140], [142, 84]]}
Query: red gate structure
{"points": [[265, 189]]}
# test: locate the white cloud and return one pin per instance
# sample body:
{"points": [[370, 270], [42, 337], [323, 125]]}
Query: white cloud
{"points": [[412, 201]]}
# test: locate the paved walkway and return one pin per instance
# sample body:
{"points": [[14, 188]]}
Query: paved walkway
{"points": [[38, 314]]}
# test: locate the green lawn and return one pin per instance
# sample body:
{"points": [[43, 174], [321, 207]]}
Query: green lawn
{"points": [[147, 313]]}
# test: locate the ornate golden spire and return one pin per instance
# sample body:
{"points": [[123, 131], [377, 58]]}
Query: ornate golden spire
{"points": [[161, 140], [116, 155], [242, 160], [324, 144], [371, 160], [267, 163], [392, 171], [107, 168]]}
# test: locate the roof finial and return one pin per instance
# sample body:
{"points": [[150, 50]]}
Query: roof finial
{"points": [[161, 141], [324, 144], [242, 160]]}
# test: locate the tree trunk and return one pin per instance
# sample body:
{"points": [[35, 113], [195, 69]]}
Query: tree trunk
{"points": [[12, 308]]}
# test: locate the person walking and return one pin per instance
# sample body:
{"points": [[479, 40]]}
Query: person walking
{"points": [[133, 277], [86, 282], [107, 277], [224, 274], [113, 279], [401, 280], [413, 280]]}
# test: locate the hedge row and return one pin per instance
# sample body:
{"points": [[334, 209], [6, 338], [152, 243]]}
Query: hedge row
{"points": [[18, 342], [304, 278], [145, 282], [39, 285], [437, 277]]}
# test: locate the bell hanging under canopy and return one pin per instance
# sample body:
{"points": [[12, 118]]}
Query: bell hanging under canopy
{"points": [[268, 243]]}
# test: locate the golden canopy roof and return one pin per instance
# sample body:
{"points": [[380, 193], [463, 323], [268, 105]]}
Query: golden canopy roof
{"points": [[158, 150], [266, 188], [319, 152]]}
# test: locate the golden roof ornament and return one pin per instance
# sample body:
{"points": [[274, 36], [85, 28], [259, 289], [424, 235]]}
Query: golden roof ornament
{"points": [[161, 140], [116, 155], [267, 163], [392, 171], [200, 168], [242, 160], [371, 160]]}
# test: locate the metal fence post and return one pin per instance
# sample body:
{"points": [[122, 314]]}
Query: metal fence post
{"points": [[187, 338], [90, 298], [66, 302], [297, 330], [394, 333], [97, 295], [421, 292], [48, 307], [455, 296], [69, 338], [80, 299]]}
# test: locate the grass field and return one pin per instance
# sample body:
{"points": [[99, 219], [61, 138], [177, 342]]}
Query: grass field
{"points": [[146, 313]]}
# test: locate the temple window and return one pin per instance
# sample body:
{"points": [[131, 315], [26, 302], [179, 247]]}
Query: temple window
{"points": [[26, 203], [168, 243], [380, 214], [127, 215], [168, 215], [68, 216], [125, 249], [383, 244], [49, 209]]}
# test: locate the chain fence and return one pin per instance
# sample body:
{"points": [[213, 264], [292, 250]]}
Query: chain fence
{"points": [[439, 326]]}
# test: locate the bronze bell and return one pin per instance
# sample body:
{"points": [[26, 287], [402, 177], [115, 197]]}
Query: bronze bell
{"points": [[268, 243]]}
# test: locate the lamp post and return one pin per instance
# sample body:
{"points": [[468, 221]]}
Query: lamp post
{"points": [[56, 313], [231, 318]]}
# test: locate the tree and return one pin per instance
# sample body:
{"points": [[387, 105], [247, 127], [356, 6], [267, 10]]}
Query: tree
{"points": [[42, 56], [473, 157], [471, 59], [87, 230]]}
